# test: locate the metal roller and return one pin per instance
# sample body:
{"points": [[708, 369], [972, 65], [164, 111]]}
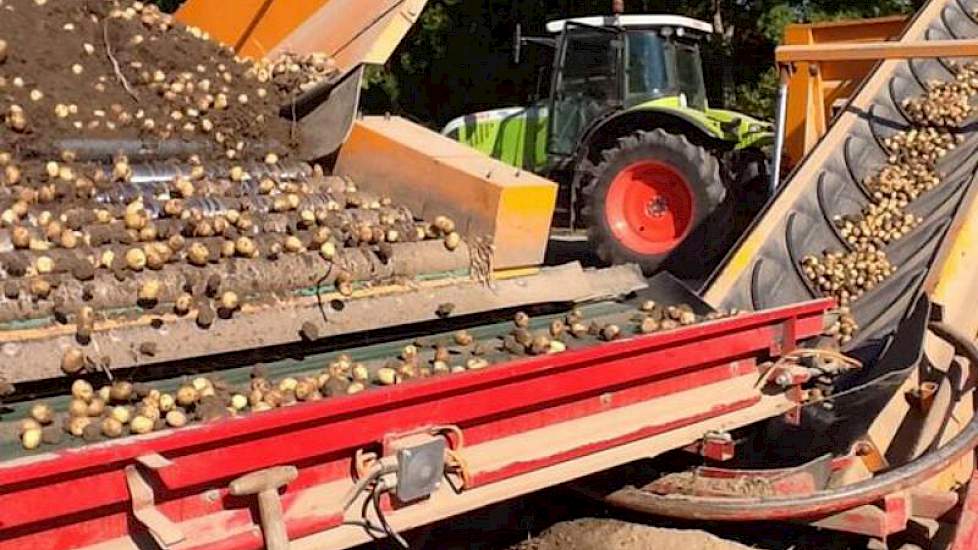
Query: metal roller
{"points": [[287, 273]]}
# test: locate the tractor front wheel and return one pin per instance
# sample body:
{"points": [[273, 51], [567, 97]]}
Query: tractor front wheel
{"points": [[648, 197]]}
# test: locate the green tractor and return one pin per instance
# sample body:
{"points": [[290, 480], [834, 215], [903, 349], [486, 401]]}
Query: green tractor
{"points": [[645, 166]]}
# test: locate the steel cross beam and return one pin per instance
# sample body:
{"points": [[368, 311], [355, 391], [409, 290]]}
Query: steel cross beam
{"points": [[875, 51]]}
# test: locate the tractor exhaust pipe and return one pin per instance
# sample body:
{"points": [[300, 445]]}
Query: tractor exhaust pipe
{"points": [[784, 73]]}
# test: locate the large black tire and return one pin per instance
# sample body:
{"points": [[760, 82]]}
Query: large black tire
{"points": [[652, 164]]}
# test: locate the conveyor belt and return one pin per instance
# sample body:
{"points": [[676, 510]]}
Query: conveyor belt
{"points": [[764, 269], [373, 354]]}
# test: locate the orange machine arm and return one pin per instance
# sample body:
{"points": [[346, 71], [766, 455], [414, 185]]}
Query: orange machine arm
{"points": [[351, 31]]}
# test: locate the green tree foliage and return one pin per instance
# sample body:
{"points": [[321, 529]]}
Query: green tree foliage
{"points": [[458, 58]]}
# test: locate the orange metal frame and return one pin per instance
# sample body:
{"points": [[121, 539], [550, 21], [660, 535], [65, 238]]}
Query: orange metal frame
{"points": [[823, 63], [815, 86]]}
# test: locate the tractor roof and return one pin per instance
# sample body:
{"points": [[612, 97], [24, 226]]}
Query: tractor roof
{"points": [[634, 21]]}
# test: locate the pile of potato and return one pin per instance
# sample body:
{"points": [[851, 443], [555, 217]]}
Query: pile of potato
{"points": [[909, 172]]}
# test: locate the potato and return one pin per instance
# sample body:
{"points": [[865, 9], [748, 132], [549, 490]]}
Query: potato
{"points": [[167, 402], [29, 424], [239, 402], [135, 259], [327, 250], [183, 303], [387, 376], [31, 439], [122, 413], [120, 391], [149, 292], [141, 425], [452, 241], [201, 383], [111, 427], [42, 413], [77, 425], [176, 419], [20, 237], [287, 384], [230, 301], [463, 338], [78, 407], [198, 254], [96, 407], [187, 396]]}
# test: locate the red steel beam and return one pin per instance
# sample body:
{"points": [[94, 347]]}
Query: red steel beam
{"points": [[79, 497]]}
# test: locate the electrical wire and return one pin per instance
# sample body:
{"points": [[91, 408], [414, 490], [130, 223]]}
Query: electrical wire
{"points": [[362, 483], [373, 476], [374, 531], [378, 489]]}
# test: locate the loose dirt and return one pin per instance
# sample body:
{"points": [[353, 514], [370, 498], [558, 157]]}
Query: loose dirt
{"points": [[691, 483], [96, 95], [100, 69], [612, 534]]}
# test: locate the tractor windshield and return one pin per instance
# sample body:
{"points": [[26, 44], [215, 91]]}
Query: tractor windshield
{"points": [[647, 76]]}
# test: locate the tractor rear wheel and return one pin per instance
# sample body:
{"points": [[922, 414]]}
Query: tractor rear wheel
{"points": [[648, 197]]}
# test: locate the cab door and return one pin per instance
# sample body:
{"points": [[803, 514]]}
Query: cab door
{"points": [[587, 83]]}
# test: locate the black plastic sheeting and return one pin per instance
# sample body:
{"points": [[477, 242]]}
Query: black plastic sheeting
{"points": [[666, 289]]}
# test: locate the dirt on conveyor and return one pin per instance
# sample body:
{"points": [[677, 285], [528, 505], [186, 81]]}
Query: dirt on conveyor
{"points": [[98, 69]]}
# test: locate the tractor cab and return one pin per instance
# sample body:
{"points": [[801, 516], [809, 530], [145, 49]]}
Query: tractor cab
{"points": [[603, 65]]}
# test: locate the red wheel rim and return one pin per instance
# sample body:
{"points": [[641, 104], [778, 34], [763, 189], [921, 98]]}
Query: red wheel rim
{"points": [[649, 207]]}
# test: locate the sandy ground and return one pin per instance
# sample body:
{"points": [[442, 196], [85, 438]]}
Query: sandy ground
{"points": [[613, 534], [558, 519]]}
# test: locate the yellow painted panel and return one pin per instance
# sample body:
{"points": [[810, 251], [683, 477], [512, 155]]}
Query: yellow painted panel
{"points": [[434, 175], [523, 222]]}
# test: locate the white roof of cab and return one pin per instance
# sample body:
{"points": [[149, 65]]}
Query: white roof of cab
{"points": [[634, 21]]}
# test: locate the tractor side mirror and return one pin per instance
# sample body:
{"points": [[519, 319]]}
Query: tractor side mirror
{"points": [[517, 43]]}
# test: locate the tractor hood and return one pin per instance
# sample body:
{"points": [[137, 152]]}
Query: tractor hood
{"points": [[351, 31]]}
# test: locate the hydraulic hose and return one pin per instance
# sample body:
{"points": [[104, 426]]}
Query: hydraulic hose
{"points": [[820, 503]]}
